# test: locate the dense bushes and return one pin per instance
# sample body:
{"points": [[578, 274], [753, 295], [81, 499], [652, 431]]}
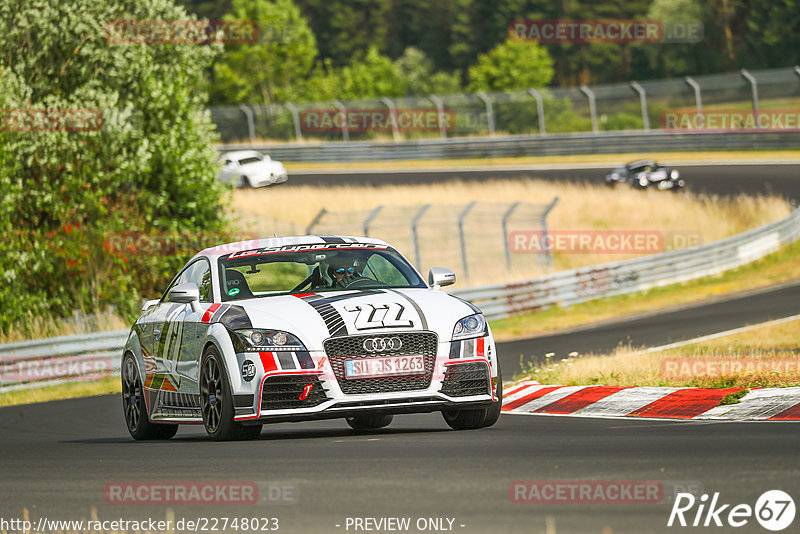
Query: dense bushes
{"points": [[149, 167]]}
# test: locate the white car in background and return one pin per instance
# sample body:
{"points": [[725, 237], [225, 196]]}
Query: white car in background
{"points": [[248, 168]]}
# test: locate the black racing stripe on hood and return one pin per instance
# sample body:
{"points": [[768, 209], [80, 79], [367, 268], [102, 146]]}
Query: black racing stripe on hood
{"points": [[416, 307], [333, 319], [234, 318], [332, 239]]}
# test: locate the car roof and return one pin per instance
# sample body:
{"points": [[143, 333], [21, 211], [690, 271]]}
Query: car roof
{"points": [[239, 154], [640, 162], [239, 246]]}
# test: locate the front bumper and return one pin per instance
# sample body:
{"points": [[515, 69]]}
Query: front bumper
{"points": [[457, 374]]}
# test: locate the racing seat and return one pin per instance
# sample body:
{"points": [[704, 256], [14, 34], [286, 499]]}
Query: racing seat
{"points": [[235, 279]]}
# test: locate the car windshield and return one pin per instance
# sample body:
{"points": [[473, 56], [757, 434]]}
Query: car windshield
{"points": [[251, 159], [313, 268]]}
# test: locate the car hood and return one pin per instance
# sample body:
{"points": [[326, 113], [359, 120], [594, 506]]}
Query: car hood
{"points": [[314, 317]]}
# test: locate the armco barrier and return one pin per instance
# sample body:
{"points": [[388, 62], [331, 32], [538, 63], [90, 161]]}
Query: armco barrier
{"points": [[53, 360], [629, 276], [524, 145]]}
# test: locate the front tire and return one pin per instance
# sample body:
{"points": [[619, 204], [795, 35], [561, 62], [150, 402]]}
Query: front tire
{"points": [[369, 422], [133, 405], [216, 401], [468, 419]]}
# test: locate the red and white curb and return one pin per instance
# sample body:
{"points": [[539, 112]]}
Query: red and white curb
{"points": [[531, 397]]}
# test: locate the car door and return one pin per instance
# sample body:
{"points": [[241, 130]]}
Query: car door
{"points": [[193, 331], [229, 174]]}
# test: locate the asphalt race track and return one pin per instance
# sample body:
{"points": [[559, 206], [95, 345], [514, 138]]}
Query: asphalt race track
{"points": [[751, 178], [57, 458]]}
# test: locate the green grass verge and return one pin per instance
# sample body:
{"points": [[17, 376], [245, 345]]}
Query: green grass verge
{"points": [[781, 266], [68, 390]]}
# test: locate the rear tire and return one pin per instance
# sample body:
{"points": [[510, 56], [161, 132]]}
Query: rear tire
{"points": [[468, 419], [369, 422], [216, 401], [134, 408]]}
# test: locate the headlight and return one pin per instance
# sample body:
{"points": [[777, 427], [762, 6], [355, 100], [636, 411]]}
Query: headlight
{"points": [[674, 174], [469, 327], [269, 340]]}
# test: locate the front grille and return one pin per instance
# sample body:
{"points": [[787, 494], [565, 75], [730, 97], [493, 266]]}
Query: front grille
{"points": [[340, 349], [466, 379], [282, 392]]}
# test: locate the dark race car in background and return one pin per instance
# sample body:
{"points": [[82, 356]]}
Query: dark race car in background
{"points": [[646, 174]]}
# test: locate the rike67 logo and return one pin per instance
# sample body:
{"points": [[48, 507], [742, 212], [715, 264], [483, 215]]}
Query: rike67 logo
{"points": [[774, 510]]}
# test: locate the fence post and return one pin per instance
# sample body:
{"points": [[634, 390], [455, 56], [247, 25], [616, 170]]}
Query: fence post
{"points": [[370, 217], [539, 108], [506, 216], [393, 111], [548, 255], [251, 127], [489, 111], [643, 100], [754, 87], [296, 120], [697, 97], [343, 111], [316, 220], [592, 109], [461, 218], [414, 236], [440, 112]]}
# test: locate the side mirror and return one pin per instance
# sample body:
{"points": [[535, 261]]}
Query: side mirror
{"points": [[186, 294], [149, 304], [439, 277]]}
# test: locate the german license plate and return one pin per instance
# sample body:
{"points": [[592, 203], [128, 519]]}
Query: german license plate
{"points": [[385, 366]]}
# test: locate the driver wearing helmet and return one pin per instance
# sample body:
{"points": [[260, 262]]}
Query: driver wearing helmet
{"points": [[342, 272]]}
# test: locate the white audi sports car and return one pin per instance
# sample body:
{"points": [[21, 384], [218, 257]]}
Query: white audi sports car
{"points": [[248, 168], [304, 328]]}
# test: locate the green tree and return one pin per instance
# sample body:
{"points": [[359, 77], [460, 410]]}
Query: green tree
{"points": [[511, 65], [417, 70], [273, 69], [148, 166]]}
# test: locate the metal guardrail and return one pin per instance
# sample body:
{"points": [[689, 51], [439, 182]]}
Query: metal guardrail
{"points": [[525, 145], [48, 361], [87, 356], [630, 276]]}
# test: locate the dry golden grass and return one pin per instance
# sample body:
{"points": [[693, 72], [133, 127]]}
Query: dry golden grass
{"points": [[36, 327], [766, 356], [580, 207], [70, 390]]}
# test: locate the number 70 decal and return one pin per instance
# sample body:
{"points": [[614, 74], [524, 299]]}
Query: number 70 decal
{"points": [[372, 316]]}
